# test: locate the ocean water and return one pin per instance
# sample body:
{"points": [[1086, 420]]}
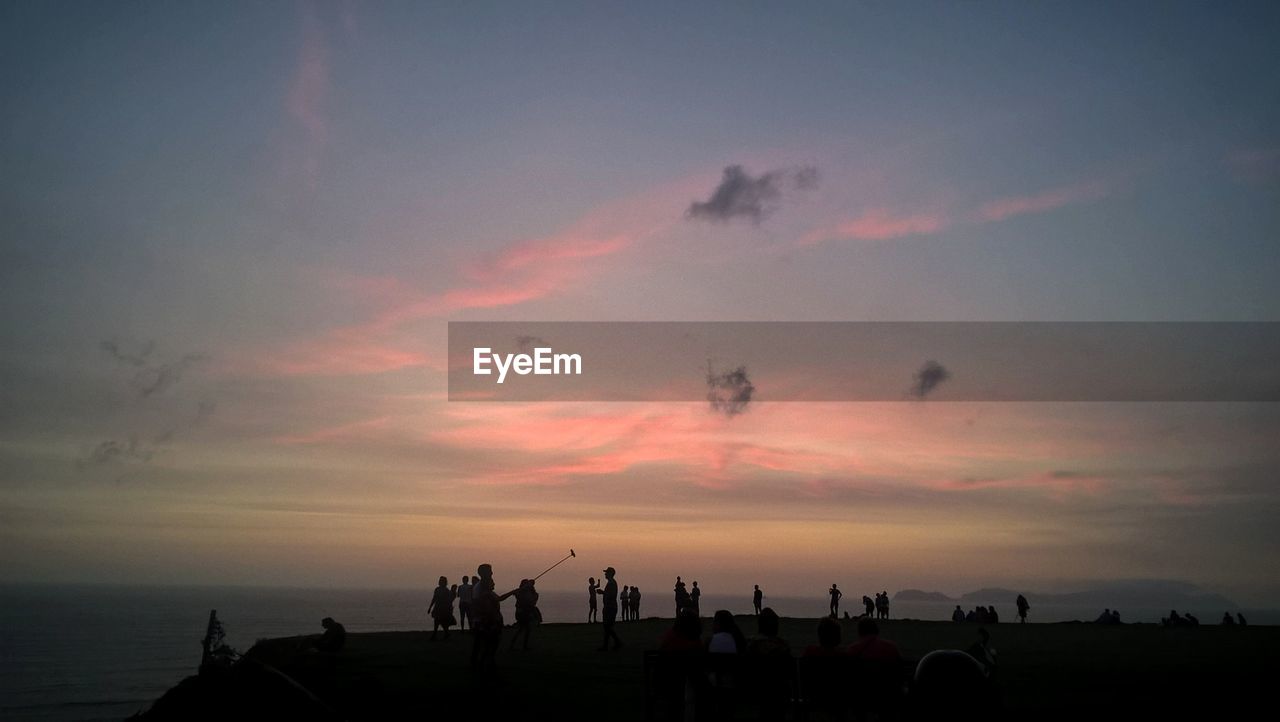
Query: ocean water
{"points": [[100, 652]]}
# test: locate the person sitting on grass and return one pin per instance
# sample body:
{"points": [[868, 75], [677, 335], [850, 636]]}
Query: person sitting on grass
{"points": [[766, 642], [726, 637], [983, 652], [685, 635], [334, 637], [829, 635], [870, 646]]}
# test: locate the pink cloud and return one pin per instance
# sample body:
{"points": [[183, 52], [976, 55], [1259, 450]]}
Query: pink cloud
{"points": [[1003, 208], [879, 224], [521, 272], [307, 93], [356, 431]]}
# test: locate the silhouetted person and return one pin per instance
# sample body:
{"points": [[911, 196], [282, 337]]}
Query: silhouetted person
{"points": [[610, 594], [685, 635], [757, 600], [634, 602], [983, 652], [527, 613], [591, 599], [1023, 606], [868, 605], [486, 610], [870, 646], [958, 614], [334, 637], [1241, 620], [726, 637], [1228, 620], [951, 685], [1173, 620], [767, 641], [882, 605], [829, 635], [1115, 616], [835, 600], [682, 596], [1191, 619], [624, 603], [1104, 618], [465, 591], [695, 595], [441, 609]]}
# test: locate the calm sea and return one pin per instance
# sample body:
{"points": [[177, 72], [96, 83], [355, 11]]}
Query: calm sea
{"points": [[101, 652]]}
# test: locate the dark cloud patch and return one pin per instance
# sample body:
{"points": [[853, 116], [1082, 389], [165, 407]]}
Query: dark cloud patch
{"points": [[740, 195], [153, 376], [928, 378], [114, 452], [128, 352], [729, 393], [527, 344], [157, 378]]}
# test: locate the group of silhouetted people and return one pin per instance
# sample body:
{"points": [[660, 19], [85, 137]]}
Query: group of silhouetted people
{"points": [[1109, 616], [877, 608], [687, 598], [949, 684], [979, 614]]}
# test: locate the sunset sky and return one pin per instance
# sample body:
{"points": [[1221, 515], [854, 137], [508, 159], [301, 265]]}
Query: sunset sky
{"points": [[232, 236]]}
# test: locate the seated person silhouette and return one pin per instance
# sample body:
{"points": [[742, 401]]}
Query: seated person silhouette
{"points": [[870, 646], [685, 635], [334, 637], [829, 635]]}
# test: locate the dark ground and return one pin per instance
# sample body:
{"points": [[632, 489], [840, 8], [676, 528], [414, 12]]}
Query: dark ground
{"points": [[1046, 671]]}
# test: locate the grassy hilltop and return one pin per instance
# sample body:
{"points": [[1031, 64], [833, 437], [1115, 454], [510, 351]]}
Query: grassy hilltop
{"points": [[1064, 671]]}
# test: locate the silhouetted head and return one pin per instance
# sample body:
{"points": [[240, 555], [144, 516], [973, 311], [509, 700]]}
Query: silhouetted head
{"points": [[327, 622], [757, 586], [950, 682], [695, 582], [687, 625], [767, 622], [828, 632], [609, 572], [444, 581], [485, 571], [591, 580], [868, 628], [723, 621], [465, 579]]}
